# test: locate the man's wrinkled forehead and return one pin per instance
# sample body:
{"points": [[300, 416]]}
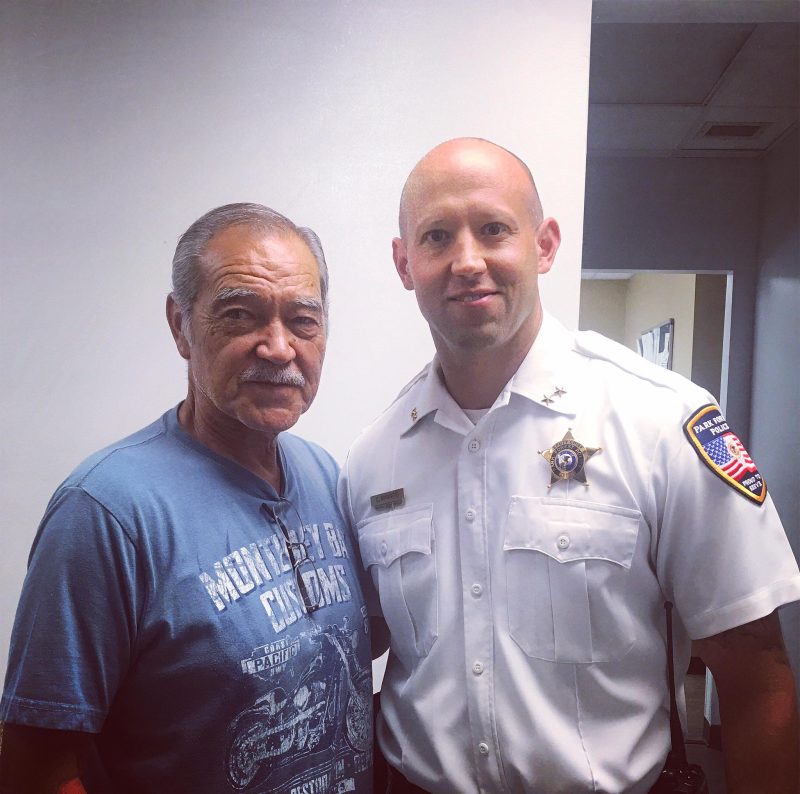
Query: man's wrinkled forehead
{"points": [[450, 165], [249, 244]]}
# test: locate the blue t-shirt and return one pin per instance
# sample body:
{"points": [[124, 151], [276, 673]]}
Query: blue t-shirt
{"points": [[161, 610]]}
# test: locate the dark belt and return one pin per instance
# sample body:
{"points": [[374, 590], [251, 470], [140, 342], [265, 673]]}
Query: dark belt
{"points": [[397, 784]]}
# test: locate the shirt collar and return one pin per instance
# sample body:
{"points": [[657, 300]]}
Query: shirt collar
{"points": [[430, 395], [547, 377], [548, 373]]}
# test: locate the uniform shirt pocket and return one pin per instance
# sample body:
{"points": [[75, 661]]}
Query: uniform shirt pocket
{"points": [[567, 577], [398, 550]]}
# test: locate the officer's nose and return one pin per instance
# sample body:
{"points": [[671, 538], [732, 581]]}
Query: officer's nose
{"points": [[467, 257]]}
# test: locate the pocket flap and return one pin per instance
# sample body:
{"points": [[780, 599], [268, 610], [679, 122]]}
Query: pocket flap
{"points": [[384, 538], [570, 529]]}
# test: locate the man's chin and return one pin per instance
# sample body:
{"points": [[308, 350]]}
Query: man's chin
{"points": [[270, 421]]}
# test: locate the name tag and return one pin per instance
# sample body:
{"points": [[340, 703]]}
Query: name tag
{"points": [[388, 500]]}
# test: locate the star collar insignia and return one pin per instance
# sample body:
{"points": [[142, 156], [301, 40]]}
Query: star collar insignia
{"points": [[551, 398], [567, 459]]}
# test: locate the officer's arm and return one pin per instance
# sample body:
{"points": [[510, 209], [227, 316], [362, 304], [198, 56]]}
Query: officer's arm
{"points": [[758, 711], [379, 636], [40, 761]]}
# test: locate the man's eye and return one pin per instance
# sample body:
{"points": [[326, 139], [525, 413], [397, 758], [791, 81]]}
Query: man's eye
{"points": [[236, 315], [436, 236], [306, 322], [494, 229]]}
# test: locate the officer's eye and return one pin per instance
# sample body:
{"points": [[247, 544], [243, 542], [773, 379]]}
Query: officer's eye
{"points": [[435, 236], [494, 229]]}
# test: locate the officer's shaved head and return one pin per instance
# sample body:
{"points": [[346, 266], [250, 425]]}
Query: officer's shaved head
{"points": [[457, 153]]}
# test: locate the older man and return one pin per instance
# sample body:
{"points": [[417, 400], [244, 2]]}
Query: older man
{"points": [[528, 504], [193, 601]]}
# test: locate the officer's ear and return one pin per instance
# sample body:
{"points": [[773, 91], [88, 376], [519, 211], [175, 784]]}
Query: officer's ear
{"points": [[548, 238], [178, 325], [400, 255]]}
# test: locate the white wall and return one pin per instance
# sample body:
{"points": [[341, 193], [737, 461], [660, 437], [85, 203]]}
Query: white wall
{"points": [[776, 387], [123, 122]]}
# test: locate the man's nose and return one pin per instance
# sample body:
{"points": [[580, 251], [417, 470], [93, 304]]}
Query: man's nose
{"points": [[467, 257], [274, 343]]}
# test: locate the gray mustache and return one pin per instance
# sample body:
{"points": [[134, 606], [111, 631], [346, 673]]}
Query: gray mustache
{"points": [[278, 376]]}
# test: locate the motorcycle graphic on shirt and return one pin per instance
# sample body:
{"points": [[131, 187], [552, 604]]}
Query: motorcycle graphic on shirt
{"points": [[303, 727]]}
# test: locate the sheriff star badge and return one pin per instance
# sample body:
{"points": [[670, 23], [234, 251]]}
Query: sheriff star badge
{"points": [[567, 459]]}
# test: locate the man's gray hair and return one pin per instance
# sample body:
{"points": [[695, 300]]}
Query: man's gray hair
{"points": [[187, 263]]}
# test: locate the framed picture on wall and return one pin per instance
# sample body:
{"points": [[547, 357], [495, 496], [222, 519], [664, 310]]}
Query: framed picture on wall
{"points": [[655, 344]]}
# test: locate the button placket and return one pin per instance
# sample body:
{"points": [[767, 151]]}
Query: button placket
{"points": [[473, 465]]}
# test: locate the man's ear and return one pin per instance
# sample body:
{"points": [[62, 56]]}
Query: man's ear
{"points": [[401, 262], [548, 238], [175, 320]]}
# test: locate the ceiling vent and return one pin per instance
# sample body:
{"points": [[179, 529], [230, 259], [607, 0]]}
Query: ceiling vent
{"points": [[732, 137], [729, 130]]}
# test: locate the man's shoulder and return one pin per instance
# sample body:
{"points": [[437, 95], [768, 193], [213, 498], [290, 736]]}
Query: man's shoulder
{"points": [[120, 465], [621, 368]]}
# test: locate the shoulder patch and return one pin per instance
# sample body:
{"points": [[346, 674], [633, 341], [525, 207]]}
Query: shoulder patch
{"points": [[723, 453]]}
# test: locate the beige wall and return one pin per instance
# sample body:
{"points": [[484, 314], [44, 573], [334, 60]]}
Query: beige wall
{"points": [[603, 307], [655, 297], [622, 309]]}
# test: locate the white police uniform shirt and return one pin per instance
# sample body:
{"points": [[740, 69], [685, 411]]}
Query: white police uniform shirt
{"points": [[528, 631]]}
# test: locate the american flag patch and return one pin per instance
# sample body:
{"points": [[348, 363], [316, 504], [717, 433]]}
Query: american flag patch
{"points": [[722, 451]]}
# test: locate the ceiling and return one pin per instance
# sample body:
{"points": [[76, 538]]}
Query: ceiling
{"points": [[693, 78]]}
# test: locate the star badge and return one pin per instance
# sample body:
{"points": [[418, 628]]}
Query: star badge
{"points": [[567, 459]]}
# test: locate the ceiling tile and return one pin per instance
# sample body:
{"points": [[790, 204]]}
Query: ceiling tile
{"points": [[640, 127], [660, 63], [766, 72]]}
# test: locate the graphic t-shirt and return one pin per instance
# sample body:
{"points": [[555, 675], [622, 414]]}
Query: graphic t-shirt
{"points": [[171, 607]]}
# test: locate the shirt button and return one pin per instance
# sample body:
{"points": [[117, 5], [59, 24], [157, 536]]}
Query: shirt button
{"points": [[384, 548], [476, 590], [470, 514], [563, 541], [474, 445], [477, 668], [483, 748]]}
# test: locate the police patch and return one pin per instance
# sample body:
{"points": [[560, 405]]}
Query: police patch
{"points": [[723, 453]]}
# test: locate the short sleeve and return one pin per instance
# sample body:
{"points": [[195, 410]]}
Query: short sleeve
{"points": [[75, 627], [722, 558]]}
